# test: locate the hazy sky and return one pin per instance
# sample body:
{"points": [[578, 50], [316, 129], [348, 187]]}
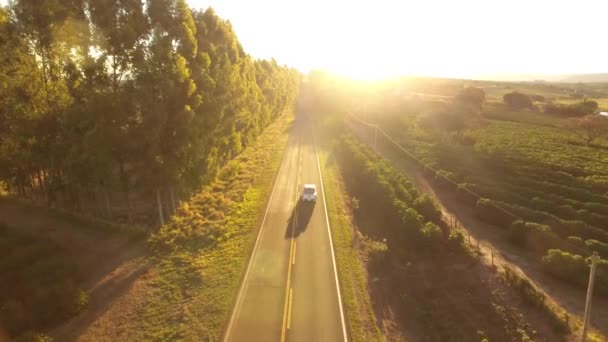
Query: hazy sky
{"points": [[464, 38]]}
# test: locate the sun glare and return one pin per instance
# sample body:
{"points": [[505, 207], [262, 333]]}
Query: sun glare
{"points": [[371, 40]]}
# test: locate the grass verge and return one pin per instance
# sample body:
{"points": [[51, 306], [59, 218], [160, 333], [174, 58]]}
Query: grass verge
{"points": [[201, 255], [353, 277]]}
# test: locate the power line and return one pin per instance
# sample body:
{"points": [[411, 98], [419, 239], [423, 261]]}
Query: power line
{"points": [[491, 202]]}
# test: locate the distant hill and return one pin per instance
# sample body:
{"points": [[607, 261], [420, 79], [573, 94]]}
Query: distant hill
{"points": [[567, 78], [588, 78]]}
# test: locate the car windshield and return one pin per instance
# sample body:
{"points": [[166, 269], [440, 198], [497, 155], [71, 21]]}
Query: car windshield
{"points": [[309, 190]]}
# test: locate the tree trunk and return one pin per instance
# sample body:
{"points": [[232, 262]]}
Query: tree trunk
{"points": [[160, 207], [172, 195], [125, 188], [77, 198], [106, 200], [40, 181]]}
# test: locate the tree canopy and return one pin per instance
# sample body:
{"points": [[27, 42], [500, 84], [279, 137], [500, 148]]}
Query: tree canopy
{"points": [[126, 95]]}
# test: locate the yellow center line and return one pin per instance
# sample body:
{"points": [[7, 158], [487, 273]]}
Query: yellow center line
{"points": [[292, 255], [289, 313], [286, 309]]}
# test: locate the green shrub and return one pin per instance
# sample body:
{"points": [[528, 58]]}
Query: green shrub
{"points": [[410, 218], [428, 208], [456, 240], [432, 236], [517, 100], [534, 237], [575, 240], [600, 247], [574, 269], [377, 252]]}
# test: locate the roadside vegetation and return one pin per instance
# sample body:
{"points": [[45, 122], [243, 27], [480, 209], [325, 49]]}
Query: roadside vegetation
{"points": [[40, 285], [132, 115], [121, 110], [202, 253]]}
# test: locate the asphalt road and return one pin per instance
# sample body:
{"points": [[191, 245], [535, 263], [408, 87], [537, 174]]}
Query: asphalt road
{"points": [[290, 289]]}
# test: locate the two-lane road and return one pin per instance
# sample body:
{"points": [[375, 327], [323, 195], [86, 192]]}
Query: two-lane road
{"points": [[290, 290]]}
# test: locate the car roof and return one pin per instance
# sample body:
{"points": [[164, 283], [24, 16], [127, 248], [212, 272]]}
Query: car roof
{"points": [[310, 186]]}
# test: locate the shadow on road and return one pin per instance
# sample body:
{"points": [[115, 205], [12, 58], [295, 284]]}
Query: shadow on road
{"points": [[299, 219]]}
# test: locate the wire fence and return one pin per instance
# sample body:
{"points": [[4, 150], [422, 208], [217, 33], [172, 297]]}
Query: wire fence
{"points": [[435, 171]]}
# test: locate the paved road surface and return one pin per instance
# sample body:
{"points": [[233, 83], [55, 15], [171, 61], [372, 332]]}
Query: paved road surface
{"points": [[289, 291]]}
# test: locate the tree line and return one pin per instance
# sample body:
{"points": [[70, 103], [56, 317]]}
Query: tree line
{"points": [[145, 99]]}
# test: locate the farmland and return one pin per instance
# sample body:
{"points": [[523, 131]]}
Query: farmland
{"points": [[421, 274], [524, 178]]}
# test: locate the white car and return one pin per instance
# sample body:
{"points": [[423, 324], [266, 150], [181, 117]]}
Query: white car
{"points": [[310, 193]]}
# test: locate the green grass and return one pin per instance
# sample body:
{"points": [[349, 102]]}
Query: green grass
{"points": [[202, 254], [353, 277], [39, 284]]}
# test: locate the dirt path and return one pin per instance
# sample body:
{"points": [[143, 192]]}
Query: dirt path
{"points": [[493, 242], [114, 267]]}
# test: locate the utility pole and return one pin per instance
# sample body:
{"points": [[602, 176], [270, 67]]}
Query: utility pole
{"points": [[594, 259]]}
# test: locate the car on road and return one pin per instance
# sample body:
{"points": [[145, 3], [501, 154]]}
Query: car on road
{"points": [[309, 194]]}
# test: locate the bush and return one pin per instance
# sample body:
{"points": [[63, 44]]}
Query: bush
{"points": [[600, 247], [534, 237], [517, 100], [489, 212], [574, 269], [431, 234], [456, 240], [575, 240], [410, 218], [377, 252], [426, 206], [574, 109]]}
